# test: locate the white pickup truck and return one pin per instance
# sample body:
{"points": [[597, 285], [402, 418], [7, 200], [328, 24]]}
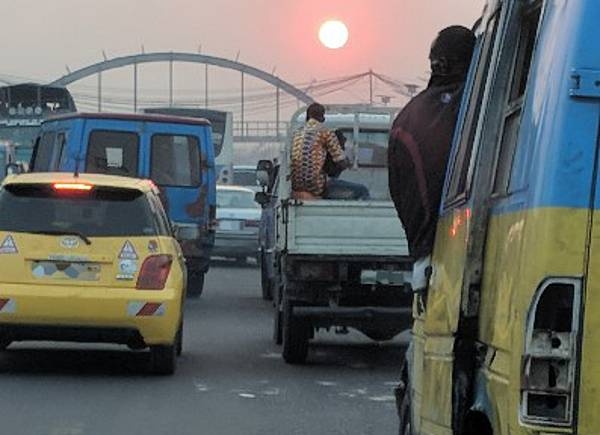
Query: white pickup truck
{"points": [[336, 263]]}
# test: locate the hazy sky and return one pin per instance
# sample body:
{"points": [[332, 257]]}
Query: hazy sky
{"points": [[38, 38]]}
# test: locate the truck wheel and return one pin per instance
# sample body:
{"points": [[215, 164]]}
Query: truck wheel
{"points": [[164, 359], [266, 283], [195, 284], [403, 405], [296, 333], [277, 326]]}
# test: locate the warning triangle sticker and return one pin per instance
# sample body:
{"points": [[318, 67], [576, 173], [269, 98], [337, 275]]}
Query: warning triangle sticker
{"points": [[128, 252], [8, 246]]}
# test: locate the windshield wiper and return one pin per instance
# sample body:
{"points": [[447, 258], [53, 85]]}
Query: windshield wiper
{"points": [[64, 233]]}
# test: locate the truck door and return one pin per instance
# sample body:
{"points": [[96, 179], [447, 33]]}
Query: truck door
{"points": [[174, 161]]}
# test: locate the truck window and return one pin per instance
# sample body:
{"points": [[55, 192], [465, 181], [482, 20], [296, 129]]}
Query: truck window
{"points": [[44, 151], [235, 199], [113, 153], [521, 65], [459, 183], [175, 160], [104, 212]]}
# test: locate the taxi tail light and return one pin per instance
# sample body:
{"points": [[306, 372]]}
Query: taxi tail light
{"points": [[154, 272], [549, 365]]}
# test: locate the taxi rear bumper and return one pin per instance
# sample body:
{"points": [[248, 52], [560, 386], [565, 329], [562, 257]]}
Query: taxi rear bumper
{"points": [[95, 315]]}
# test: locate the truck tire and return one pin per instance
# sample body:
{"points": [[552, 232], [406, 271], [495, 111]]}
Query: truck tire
{"points": [[277, 326], [195, 284], [404, 411], [266, 283], [296, 333]]}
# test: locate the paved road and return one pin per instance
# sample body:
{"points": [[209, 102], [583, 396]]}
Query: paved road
{"points": [[231, 379]]}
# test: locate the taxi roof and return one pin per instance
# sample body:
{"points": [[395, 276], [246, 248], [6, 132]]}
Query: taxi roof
{"points": [[102, 180]]}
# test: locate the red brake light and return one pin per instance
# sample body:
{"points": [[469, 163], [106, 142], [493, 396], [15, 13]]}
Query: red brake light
{"points": [[154, 272], [72, 186]]}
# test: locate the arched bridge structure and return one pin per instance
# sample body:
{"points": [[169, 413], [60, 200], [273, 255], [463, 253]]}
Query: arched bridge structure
{"points": [[171, 58]]}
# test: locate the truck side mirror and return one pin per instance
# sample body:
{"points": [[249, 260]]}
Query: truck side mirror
{"points": [[14, 168], [264, 172], [262, 198], [175, 230]]}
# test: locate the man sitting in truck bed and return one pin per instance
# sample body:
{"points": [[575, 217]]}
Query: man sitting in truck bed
{"points": [[311, 145]]}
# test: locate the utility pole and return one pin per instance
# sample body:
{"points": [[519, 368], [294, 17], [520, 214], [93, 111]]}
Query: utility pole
{"points": [[135, 87], [242, 117], [100, 91], [371, 87]]}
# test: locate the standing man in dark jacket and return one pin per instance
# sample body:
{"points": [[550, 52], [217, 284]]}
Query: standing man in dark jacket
{"points": [[420, 143]]}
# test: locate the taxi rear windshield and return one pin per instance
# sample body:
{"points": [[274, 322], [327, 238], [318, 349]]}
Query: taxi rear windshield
{"points": [[101, 212]]}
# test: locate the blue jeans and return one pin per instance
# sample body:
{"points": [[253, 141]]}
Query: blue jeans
{"points": [[342, 189]]}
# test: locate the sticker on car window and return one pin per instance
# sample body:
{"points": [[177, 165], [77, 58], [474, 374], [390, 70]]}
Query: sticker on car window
{"points": [[127, 269], [128, 252], [8, 246], [114, 157]]}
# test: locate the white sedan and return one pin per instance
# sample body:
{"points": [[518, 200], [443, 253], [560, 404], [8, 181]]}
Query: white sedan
{"points": [[238, 219]]}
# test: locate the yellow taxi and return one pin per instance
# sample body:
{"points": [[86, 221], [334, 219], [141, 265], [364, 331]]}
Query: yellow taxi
{"points": [[90, 258]]}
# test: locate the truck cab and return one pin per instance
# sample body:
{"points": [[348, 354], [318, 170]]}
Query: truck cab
{"points": [[176, 153], [505, 339]]}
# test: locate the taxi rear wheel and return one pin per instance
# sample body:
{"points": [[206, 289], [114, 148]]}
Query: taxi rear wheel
{"points": [[180, 340], [164, 358], [4, 343]]}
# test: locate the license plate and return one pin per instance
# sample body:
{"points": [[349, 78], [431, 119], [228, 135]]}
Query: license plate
{"points": [[63, 270], [230, 225]]}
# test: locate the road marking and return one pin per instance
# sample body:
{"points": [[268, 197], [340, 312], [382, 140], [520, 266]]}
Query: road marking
{"points": [[382, 398], [327, 383]]}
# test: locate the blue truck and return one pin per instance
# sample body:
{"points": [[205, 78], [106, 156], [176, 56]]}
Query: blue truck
{"points": [[176, 153]]}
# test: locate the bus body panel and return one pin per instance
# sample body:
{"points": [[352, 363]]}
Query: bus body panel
{"points": [[543, 227]]}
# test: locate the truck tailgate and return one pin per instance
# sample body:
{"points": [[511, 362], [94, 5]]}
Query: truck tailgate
{"points": [[365, 228]]}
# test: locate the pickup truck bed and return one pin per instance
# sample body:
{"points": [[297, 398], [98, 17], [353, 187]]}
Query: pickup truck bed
{"points": [[360, 228]]}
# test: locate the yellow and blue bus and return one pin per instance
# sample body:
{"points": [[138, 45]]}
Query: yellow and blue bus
{"points": [[506, 339]]}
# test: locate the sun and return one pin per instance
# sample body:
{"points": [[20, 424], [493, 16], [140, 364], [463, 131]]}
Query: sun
{"points": [[333, 34]]}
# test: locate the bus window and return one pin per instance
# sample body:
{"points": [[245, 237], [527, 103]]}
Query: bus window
{"points": [[113, 152], [175, 160], [521, 65], [459, 178]]}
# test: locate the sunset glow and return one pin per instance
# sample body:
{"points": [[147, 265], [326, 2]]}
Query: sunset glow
{"points": [[333, 34]]}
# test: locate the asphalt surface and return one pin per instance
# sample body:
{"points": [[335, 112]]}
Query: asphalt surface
{"points": [[230, 380]]}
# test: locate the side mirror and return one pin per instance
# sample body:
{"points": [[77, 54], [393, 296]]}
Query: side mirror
{"points": [[262, 198], [14, 168], [175, 230], [264, 172]]}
